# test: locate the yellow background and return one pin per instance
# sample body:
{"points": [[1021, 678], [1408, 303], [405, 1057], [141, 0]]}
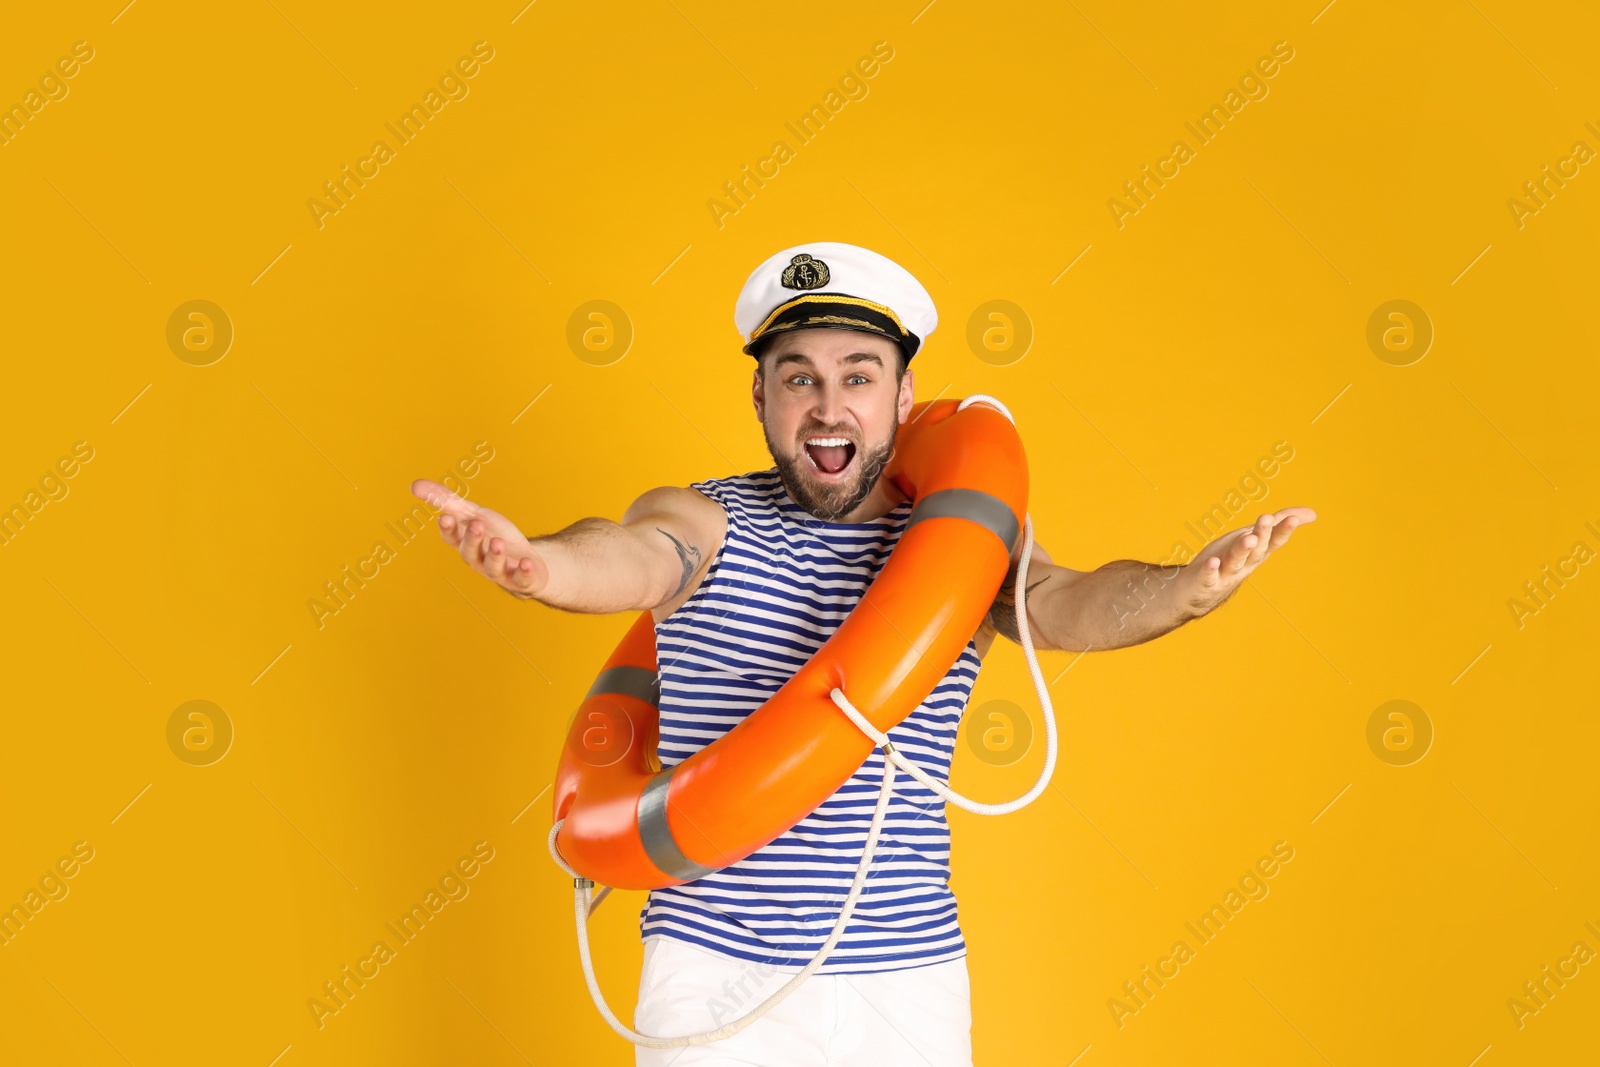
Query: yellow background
{"points": [[1229, 314]]}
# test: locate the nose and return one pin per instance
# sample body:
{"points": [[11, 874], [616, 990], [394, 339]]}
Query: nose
{"points": [[829, 408]]}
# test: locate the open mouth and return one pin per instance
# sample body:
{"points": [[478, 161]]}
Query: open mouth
{"points": [[830, 455]]}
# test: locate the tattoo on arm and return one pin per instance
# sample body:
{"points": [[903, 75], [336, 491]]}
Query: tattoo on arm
{"points": [[1003, 612], [688, 555]]}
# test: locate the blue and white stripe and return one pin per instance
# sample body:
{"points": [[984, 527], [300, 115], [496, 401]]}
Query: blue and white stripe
{"points": [[781, 584]]}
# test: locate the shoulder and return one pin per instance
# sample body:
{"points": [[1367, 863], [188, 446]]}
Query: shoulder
{"points": [[694, 520], [674, 499], [687, 508]]}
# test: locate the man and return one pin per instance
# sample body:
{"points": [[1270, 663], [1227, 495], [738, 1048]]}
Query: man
{"points": [[746, 577]]}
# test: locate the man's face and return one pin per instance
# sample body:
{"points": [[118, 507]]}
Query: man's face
{"points": [[830, 407]]}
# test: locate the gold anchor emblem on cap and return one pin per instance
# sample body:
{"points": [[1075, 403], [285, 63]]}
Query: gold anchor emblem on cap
{"points": [[804, 272]]}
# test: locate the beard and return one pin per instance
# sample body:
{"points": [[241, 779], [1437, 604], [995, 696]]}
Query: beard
{"points": [[829, 502]]}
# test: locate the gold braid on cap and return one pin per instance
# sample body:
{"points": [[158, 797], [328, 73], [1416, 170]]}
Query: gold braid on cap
{"points": [[825, 298]]}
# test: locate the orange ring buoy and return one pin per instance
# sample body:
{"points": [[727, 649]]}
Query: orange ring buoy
{"points": [[630, 824]]}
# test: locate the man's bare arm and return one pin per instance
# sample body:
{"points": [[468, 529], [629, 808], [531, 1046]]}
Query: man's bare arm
{"points": [[1127, 602], [595, 565], [598, 566], [1114, 606]]}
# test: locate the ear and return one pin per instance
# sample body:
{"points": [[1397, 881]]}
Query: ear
{"points": [[758, 395], [907, 393]]}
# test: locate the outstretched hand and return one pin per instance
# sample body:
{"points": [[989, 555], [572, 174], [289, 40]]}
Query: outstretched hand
{"points": [[1213, 575], [489, 542]]}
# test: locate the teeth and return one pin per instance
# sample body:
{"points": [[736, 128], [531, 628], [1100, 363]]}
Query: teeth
{"points": [[827, 441]]}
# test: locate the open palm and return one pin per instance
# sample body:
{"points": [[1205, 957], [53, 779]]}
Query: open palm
{"points": [[489, 542], [1213, 575]]}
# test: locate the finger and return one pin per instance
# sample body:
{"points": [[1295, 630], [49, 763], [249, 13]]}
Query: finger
{"points": [[450, 530], [494, 560], [441, 497], [520, 575], [1239, 552], [481, 533], [1263, 532], [472, 546], [1281, 532]]}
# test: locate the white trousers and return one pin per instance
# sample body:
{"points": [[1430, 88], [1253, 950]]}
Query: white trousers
{"points": [[918, 1017]]}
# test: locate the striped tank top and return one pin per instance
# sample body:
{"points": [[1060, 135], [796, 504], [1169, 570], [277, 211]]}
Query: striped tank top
{"points": [[781, 584]]}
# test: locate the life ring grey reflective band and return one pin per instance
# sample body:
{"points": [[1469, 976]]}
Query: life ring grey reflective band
{"points": [[974, 505], [659, 843], [654, 832], [629, 681]]}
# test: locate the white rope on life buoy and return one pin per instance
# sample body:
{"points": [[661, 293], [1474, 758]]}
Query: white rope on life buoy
{"points": [[582, 908], [1043, 691]]}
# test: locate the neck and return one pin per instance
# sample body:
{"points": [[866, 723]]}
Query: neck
{"points": [[883, 499]]}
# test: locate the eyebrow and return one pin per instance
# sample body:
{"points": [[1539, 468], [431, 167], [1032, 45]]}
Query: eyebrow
{"points": [[801, 357]]}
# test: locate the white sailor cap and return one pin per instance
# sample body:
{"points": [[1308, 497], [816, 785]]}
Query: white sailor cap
{"points": [[834, 285]]}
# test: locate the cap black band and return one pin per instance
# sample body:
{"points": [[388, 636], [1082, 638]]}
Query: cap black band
{"points": [[836, 311]]}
